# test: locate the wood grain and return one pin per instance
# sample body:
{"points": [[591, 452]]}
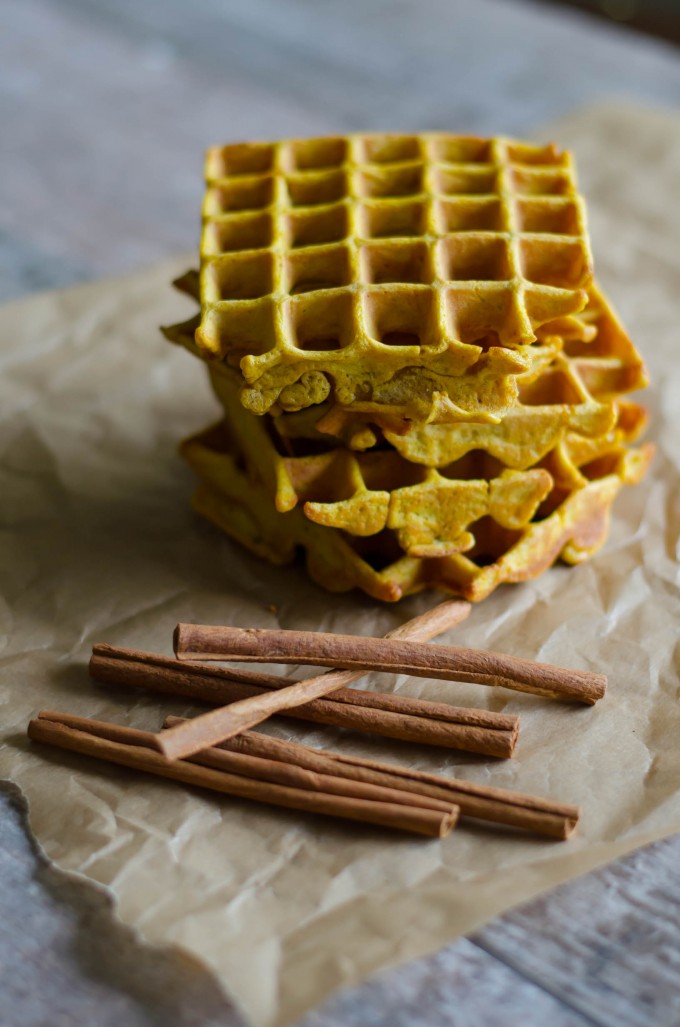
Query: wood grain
{"points": [[608, 944]]}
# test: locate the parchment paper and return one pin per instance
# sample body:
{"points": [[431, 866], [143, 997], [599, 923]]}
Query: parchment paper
{"points": [[98, 544]]}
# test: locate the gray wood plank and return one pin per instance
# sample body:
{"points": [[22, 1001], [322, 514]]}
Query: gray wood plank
{"points": [[601, 950], [105, 170], [607, 944], [457, 987], [384, 61]]}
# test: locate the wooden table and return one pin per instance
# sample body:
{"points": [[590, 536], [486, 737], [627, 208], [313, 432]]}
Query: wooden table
{"points": [[106, 108]]}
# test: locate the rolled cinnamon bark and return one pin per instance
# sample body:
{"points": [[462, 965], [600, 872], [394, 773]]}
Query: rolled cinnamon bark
{"points": [[461, 732], [497, 805], [450, 663], [256, 778], [392, 716]]}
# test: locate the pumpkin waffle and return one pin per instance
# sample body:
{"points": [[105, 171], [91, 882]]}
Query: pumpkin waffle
{"points": [[418, 393], [582, 477], [573, 389], [364, 493], [576, 391], [414, 272], [430, 509], [440, 379], [572, 386]]}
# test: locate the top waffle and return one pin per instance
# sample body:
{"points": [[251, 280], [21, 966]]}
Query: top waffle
{"points": [[332, 265]]}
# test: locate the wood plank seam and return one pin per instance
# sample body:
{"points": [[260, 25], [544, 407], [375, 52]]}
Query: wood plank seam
{"points": [[501, 957]]}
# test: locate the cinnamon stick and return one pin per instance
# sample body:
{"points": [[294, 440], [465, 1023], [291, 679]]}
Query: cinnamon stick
{"points": [[392, 716], [498, 805], [257, 778], [451, 663], [225, 723]]}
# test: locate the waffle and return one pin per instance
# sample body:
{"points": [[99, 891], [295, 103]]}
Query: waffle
{"points": [[576, 392], [414, 272], [573, 390], [429, 509], [364, 493], [570, 523], [571, 385], [484, 394], [439, 378], [433, 482]]}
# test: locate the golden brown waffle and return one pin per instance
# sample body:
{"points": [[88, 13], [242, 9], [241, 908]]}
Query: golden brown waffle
{"points": [[485, 471], [571, 384], [574, 391], [376, 269], [430, 510], [364, 493], [571, 523], [440, 378], [422, 394]]}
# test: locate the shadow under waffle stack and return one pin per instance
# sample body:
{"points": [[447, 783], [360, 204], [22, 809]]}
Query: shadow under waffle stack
{"points": [[477, 432]]}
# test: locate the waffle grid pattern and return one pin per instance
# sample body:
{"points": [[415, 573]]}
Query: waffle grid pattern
{"points": [[368, 254], [439, 376], [571, 387]]}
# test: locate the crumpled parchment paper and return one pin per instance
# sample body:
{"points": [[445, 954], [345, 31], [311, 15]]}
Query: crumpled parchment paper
{"points": [[98, 544]]}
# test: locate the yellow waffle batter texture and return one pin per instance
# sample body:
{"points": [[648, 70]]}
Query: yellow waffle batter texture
{"points": [[421, 382]]}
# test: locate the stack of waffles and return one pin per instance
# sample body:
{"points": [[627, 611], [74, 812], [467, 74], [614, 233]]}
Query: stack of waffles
{"points": [[422, 384]]}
